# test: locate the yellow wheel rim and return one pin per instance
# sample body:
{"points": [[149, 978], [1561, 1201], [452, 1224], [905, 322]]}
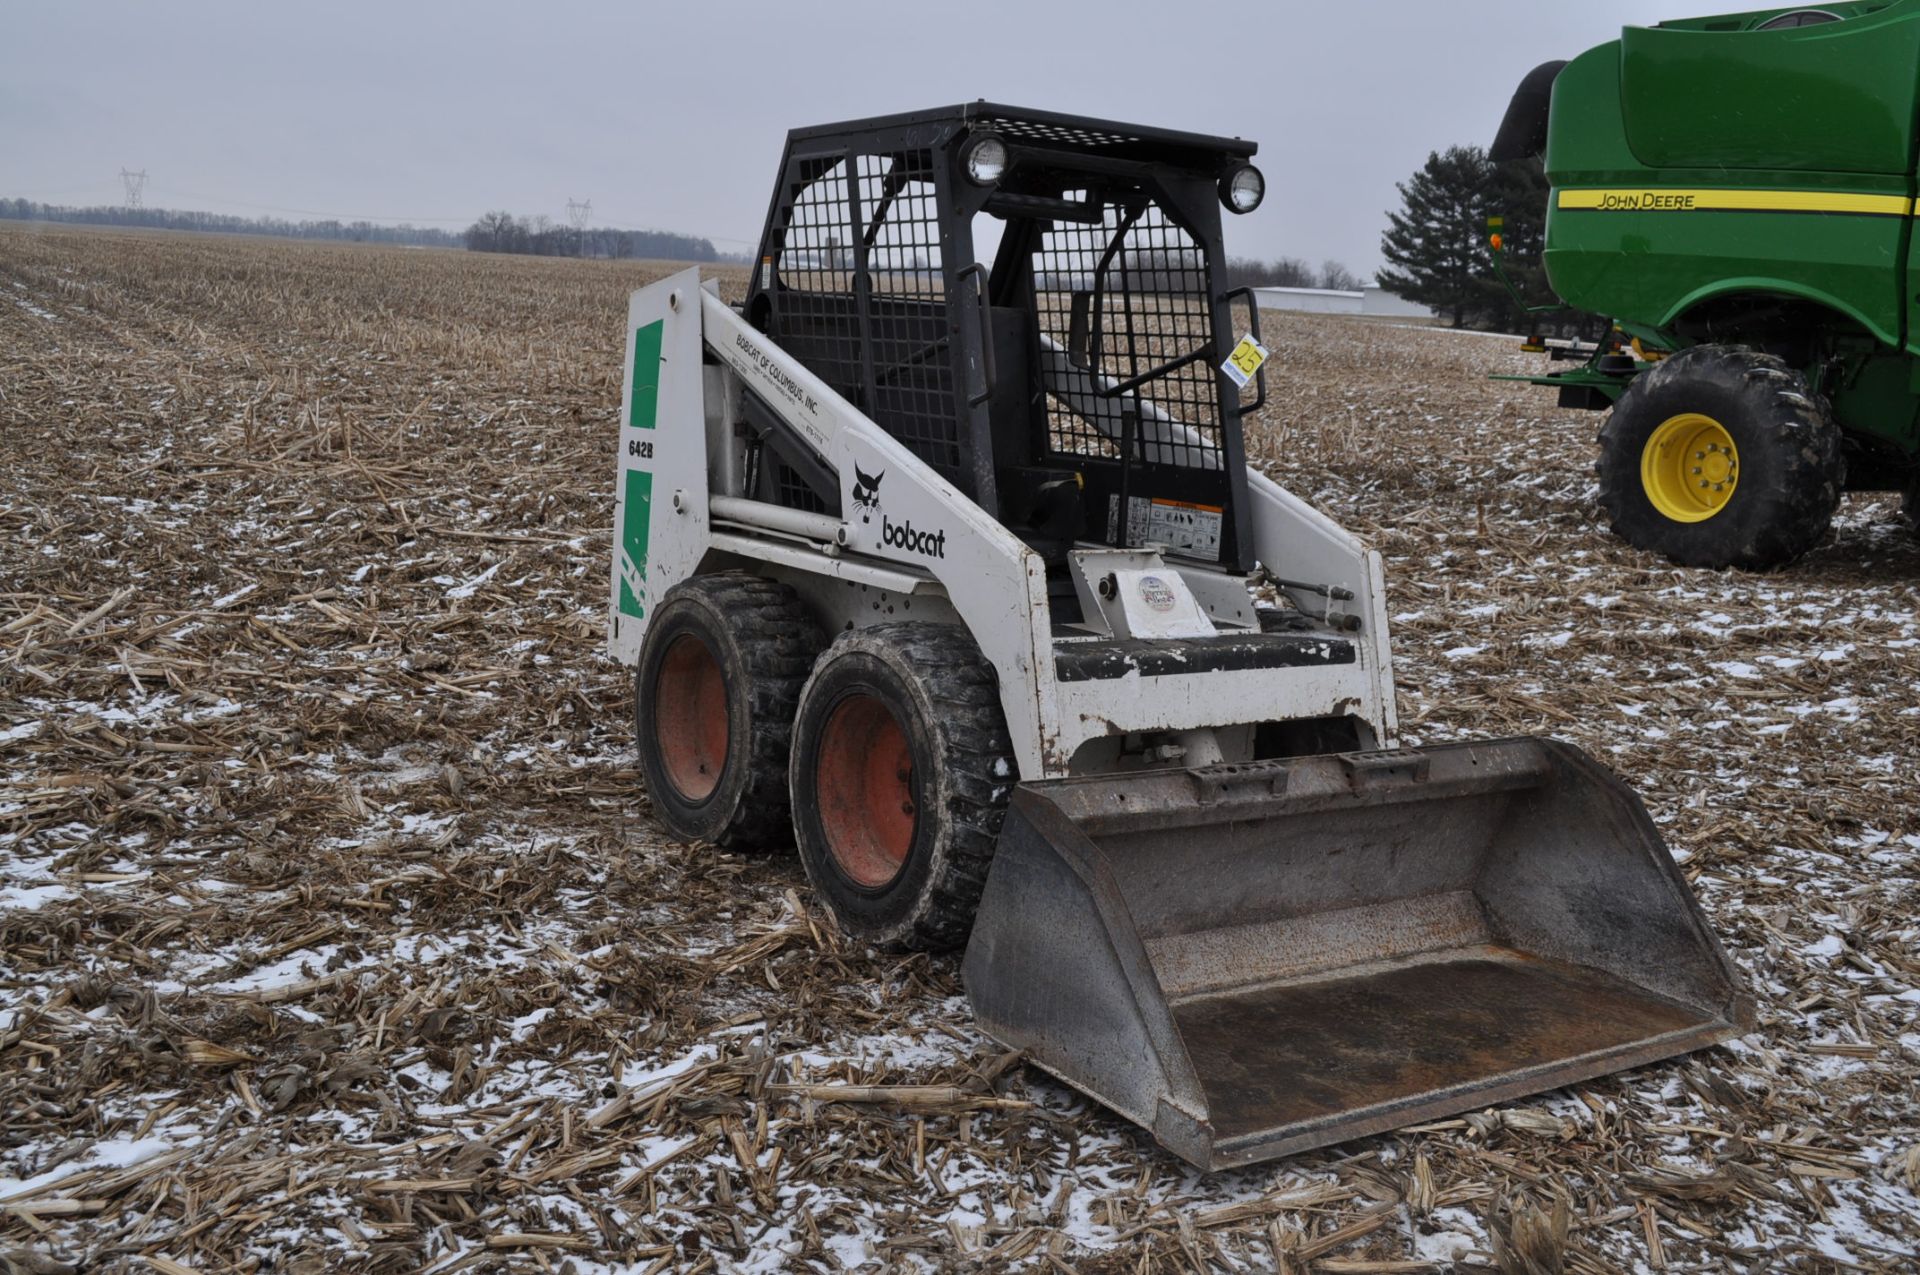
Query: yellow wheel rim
{"points": [[1690, 467]]}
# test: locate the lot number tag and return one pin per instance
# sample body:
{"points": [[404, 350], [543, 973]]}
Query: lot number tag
{"points": [[1245, 361]]}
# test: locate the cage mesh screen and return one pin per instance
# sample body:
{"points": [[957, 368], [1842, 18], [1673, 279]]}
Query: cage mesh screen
{"points": [[816, 268], [862, 298], [1148, 305], [912, 388]]}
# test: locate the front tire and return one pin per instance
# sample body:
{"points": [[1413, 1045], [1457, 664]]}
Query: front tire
{"points": [[900, 777], [1721, 457], [720, 674]]}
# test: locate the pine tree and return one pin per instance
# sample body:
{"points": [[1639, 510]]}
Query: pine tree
{"points": [[1435, 245]]}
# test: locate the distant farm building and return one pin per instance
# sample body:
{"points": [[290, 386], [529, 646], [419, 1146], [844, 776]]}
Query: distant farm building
{"points": [[1372, 300]]}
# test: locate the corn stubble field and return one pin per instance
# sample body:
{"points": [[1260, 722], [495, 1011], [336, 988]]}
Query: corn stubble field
{"points": [[335, 935]]}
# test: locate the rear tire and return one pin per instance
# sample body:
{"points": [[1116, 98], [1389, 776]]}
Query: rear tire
{"points": [[1721, 457], [720, 674], [900, 777]]}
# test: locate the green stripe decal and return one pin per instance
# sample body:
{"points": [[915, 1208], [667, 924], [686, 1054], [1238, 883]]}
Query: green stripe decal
{"points": [[646, 375], [635, 513]]}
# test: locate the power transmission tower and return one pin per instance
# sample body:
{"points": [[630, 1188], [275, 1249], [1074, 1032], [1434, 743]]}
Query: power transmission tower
{"points": [[578, 211], [135, 183]]}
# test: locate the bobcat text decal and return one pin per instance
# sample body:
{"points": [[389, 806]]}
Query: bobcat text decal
{"points": [[901, 535]]}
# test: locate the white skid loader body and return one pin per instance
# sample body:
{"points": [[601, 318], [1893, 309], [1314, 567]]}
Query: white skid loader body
{"points": [[913, 547], [1197, 876]]}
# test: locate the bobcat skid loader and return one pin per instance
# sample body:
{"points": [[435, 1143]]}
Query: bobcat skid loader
{"points": [[950, 573]]}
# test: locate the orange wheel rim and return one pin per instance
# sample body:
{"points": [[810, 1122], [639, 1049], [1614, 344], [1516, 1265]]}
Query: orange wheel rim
{"points": [[864, 778], [690, 717]]}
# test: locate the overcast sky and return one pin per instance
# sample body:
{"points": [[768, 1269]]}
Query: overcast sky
{"points": [[671, 115]]}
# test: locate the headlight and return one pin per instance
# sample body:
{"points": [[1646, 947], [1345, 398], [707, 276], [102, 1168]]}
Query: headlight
{"points": [[986, 159], [1242, 189]]}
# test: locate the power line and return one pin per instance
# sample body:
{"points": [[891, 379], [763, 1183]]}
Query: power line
{"points": [[578, 212], [134, 184]]}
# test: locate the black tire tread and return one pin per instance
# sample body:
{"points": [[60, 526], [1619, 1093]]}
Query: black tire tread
{"points": [[978, 757], [1796, 428], [778, 641], [960, 680]]}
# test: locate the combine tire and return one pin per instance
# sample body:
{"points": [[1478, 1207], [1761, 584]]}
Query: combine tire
{"points": [[719, 680], [900, 777], [1721, 457]]}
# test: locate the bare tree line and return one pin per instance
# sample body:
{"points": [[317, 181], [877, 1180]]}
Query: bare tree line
{"points": [[494, 232], [226, 224], [1291, 272], [539, 236]]}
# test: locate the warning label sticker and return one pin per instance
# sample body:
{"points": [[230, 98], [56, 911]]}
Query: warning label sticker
{"points": [[1245, 361], [1181, 527]]}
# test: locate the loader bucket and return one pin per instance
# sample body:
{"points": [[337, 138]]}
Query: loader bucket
{"points": [[1251, 960]]}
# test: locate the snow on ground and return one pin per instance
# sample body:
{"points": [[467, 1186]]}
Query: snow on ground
{"points": [[334, 933]]}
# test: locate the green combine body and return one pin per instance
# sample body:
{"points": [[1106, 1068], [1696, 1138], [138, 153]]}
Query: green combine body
{"points": [[1738, 195]]}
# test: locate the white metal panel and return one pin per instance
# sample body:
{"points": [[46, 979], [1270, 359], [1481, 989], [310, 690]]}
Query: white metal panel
{"points": [[662, 453], [1093, 710], [1297, 542], [1137, 595], [1224, 597], [1387, 724], [1157, 604], [1088, 566]]}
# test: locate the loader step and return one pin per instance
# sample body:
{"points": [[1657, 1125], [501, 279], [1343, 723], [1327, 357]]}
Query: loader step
{"points": [[1107, 659]]}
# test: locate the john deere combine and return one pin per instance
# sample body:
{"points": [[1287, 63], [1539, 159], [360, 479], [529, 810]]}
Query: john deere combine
{"points": [[1738, 194]]}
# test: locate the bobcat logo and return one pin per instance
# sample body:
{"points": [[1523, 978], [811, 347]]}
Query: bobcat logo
{"points": [[866, 493]]}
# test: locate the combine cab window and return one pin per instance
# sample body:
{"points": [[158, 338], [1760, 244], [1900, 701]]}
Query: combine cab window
{"points": [[1801, 18]]}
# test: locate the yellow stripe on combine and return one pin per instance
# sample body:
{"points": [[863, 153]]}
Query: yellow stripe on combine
{"points": [[1674, 200]]}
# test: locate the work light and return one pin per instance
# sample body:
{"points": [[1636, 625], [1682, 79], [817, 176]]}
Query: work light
{"points": [[986, 159], [1242, 189]]}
